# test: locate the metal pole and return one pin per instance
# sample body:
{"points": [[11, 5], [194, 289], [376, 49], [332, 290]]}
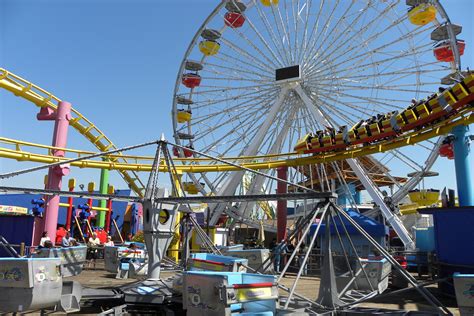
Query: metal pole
{"points": [[61, 119], [103, 188], [282, 206], [462, 163], [425, 293], [305, 259]]}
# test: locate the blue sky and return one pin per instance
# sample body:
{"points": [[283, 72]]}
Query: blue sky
{"points": [[116, 62]]}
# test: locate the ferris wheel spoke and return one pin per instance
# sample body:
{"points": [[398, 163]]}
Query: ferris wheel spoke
{"points": [[314, 31], [244, 53], [314, 41], [263, 41], [226, 112], [222, 89], [232, 106], [295, 14], [352, 32], [302, 48], [347, 87], [248, 97], [380, 101], [313, 109], [280, 27], [213, 128], [317, 51], [358, 67], [240, 70], [248, 62], [269, 30], [285, 30], [255, 47], [239, 136], [412, 70], [407, 160], [378, 49], [337, 112]]}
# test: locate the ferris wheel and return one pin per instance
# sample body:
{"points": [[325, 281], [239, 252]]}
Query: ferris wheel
{"points": [[260, 74]]}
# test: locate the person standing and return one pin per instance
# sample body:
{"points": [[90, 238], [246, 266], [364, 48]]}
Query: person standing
{"points": [[301, 254], [92, 247], [280, 250]]}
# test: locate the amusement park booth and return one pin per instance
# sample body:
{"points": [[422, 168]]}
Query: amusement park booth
{"points": [[453, 232], [18, 228], [363, 247]]}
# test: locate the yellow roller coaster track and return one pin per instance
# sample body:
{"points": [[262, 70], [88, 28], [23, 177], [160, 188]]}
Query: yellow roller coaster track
{"points": [[464, 117], [42, 98]]}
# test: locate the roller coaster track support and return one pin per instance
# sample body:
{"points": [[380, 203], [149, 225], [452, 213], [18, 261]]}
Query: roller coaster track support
{"points": [[61, 118], [462, 163], [387, 213]]}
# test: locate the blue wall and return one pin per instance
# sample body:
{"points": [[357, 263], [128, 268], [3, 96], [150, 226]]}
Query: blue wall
{"points": [[24, 200]]}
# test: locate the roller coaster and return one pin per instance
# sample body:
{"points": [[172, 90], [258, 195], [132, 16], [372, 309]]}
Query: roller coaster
{"points": [[426, 120]]}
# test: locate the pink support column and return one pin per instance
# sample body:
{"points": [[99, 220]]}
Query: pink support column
{"points": [[282, 212], [61, 119]]}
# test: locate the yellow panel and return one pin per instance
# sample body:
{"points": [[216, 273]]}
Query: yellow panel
{"points": [[183, 116], [422, 14], [209, 48], [91, 187], [72, 183], [268, 3], [424, 198]]}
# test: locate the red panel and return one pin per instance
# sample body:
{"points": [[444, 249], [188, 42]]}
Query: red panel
{"points": [[252, 285], [234, 19]]}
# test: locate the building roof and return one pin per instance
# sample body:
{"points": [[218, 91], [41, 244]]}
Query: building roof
{"points": [[376, 171]]}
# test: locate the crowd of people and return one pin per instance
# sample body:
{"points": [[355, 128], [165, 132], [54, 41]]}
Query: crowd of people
{"points": [[94, 244]]}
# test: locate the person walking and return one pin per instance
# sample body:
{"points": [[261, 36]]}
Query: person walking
{"points": [[280, 250], [301, 254]]}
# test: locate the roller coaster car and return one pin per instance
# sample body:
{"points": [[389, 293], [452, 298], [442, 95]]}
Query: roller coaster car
{"points": [[374, 131], [361, 131], [341, 139], [469, 81], [352, 135], [422, 111], [444, 104], [304, 143], [326, 141], [460, 91], [410, 119]]}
